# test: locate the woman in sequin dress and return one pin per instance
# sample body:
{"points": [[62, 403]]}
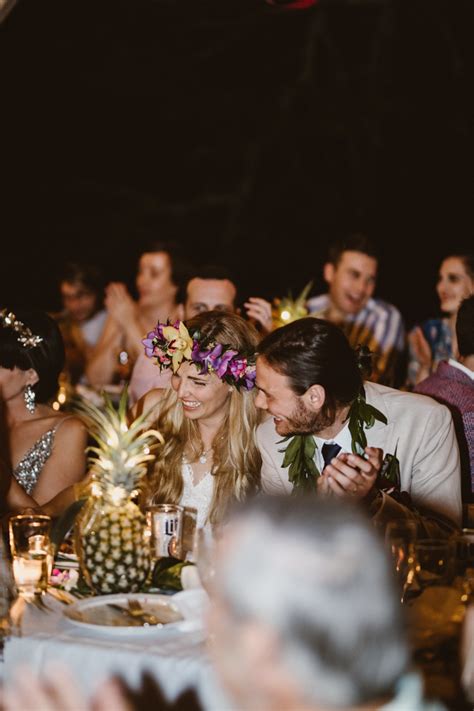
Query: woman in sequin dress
{"points": [[435, 339], [46, 447], [210, 455]]}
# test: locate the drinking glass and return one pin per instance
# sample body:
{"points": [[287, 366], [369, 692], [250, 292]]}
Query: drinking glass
{"points": [[31, 549], [435, 562], [400, 538], [165, 522], [464, 560], [189, 533], [205, 556]]}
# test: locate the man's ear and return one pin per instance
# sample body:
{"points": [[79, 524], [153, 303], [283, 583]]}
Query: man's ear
{"points": [[328, 272], [314, 397]]}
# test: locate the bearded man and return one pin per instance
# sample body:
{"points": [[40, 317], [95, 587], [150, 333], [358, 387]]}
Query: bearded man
{"points": [[396, 452]]}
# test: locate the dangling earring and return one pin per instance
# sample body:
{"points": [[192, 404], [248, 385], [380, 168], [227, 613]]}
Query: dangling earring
{"points": [[29, 395]]}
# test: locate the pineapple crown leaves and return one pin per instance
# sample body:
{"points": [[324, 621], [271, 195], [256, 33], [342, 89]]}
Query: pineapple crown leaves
{"points": [[122, 449], [289, 309]]}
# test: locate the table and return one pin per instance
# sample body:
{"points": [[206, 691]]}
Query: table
{"points": [[176, 661]]}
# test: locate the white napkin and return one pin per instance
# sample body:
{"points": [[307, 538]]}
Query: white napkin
{"points": [[190, 579], [192, 604]]}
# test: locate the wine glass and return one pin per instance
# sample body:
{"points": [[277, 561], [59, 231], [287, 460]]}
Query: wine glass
{"points": [[400, 538], [464, 561], [435, 561], [205, 556]]}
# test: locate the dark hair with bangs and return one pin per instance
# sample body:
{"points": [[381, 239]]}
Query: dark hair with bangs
{"points": [[46, 358]]}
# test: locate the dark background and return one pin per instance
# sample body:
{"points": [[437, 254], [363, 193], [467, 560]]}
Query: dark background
{"points": [[254, 135]]}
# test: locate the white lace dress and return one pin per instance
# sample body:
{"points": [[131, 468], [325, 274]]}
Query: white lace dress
{"points": [[197, 496]]}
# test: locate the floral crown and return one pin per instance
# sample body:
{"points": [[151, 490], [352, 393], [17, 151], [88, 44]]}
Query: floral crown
{"points": [[170, 344], [25, 336]]}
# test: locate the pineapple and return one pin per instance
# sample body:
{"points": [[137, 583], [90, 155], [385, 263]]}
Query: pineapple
{"points": [[111, 535], [288, 309]]}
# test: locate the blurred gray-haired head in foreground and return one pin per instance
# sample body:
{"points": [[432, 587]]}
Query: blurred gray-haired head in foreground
{"points": [[306, 613]]}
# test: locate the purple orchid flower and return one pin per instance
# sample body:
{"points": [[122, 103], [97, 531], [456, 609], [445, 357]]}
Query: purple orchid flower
{"points": [[206, 359], [221, 364], [250, 377], [150, 344]]}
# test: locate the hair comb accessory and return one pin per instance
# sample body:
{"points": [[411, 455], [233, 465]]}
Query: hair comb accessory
{"points": [[170, 344], [25, 336]]}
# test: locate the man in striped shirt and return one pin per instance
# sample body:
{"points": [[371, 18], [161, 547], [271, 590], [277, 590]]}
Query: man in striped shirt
{"points": [[351, 272]]}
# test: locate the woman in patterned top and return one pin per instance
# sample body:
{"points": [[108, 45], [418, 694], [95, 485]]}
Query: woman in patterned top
{"points": [[46, 448], [435, 339]]}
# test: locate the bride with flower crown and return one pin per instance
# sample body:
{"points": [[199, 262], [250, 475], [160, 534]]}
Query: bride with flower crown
{"points": [[208, 417]]}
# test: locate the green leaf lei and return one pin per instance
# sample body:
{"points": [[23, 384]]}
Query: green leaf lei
{"points": [[299, 453]]}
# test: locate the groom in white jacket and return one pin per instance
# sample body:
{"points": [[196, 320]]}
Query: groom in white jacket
{"points": [[394, 451]]}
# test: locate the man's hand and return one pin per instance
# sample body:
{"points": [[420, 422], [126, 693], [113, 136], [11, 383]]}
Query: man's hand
{"points": [[352, 475], [261, 311]]}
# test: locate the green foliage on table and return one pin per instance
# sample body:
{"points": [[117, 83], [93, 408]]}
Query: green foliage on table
{"points": [[167, 574], [63, 524]]}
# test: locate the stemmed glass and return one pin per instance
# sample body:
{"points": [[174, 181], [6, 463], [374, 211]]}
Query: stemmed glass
{"points": [[205, 557], [434, 562], [400, 538]]}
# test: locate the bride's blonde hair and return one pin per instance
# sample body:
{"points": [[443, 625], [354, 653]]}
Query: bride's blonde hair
{"points": [[236, 460]]}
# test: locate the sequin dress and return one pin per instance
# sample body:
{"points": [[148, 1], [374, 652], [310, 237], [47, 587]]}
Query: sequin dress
{"points": [[29, 468]]}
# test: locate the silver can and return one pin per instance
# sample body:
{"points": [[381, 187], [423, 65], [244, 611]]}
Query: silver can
{"points": [[165, 522]]}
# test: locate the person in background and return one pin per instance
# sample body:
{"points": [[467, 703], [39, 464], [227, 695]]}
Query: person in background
{"points": [[83, 316], [453, 385], [157, 280], [46, 448], [394, 452], [305, 612], [435, 339], [351, 274], [210, 287]]}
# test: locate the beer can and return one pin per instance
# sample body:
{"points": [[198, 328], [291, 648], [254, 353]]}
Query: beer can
{"points": [[165, 522]]}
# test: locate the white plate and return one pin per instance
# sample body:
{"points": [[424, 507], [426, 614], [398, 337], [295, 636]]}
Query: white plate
{"points": [[95, 615]]}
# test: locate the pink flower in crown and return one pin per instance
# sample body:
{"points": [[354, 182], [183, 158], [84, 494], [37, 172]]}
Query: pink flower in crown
{"points": [[237, 367]]}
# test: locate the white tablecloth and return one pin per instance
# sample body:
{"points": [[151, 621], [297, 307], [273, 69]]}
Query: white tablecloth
{"points": [[176, 660]]}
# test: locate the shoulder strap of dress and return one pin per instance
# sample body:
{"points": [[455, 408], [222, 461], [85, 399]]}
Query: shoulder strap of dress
{"points": [[69, 417]]}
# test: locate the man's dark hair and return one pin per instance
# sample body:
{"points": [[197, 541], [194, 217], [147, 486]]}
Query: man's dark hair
{"points": [[205, 271], [311, 351], [357, 242], [465, 327]]}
